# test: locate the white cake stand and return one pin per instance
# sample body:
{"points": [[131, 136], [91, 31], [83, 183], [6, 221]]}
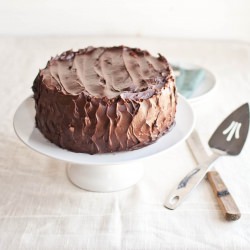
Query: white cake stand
{"points": [[101, 172]]}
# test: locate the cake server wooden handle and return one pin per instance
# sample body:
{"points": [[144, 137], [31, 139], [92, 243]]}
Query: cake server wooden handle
{"points": [[224, 198]]}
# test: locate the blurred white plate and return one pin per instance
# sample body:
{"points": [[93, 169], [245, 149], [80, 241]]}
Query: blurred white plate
{"points": [[205, 88]]}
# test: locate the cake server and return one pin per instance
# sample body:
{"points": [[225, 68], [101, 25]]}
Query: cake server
{"points": [[228, 139], [225, 200]]}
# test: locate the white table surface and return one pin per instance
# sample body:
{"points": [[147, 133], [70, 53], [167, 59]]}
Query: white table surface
{"points": [[41, 209]]}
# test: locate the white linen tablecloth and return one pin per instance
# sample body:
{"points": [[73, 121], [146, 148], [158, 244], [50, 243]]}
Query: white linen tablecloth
{"points": [[41, 209]]}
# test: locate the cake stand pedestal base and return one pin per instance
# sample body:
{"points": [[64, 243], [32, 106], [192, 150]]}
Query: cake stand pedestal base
{"points": [[105, 178]]}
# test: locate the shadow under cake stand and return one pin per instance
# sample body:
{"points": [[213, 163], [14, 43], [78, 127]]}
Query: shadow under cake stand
{"points": [[101, 172]]}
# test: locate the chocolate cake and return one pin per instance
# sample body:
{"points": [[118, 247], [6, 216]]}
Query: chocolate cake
{"points": [[105, 99]]}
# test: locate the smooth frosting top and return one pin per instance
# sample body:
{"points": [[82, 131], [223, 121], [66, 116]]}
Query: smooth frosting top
{"points": [[107, 72]]}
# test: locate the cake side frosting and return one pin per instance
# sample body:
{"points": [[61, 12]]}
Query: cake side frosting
{"points": [[101, 100]]}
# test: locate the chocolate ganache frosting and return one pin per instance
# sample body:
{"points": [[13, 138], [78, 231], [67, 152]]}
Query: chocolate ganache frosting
{"points": [[105, 99]]}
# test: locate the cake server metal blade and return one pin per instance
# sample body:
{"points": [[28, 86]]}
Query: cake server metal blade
{"points": [[231, 134]]}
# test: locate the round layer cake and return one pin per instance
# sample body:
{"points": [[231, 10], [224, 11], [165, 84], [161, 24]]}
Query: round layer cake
{"points": [[105, 99]]}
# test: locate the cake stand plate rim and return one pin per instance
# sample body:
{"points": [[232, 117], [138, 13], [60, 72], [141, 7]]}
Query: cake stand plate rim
{"points": [[24, 126]]}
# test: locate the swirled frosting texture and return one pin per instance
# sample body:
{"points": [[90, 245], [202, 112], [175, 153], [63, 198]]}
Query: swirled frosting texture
{"points": [[99, 100]]}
